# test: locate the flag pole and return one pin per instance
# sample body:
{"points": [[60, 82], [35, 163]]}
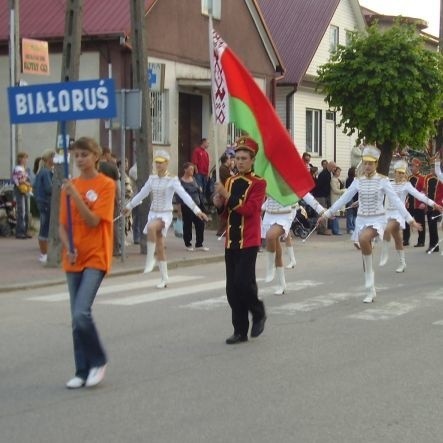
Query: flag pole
{"points": [[211, 64]]}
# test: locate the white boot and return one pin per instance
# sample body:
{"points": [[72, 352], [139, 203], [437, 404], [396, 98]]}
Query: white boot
{"points": [[291, 256], [369, 279], [384, 253], [150, 260], [163, 266], [270, 266], [280, 273], [402, 265]]}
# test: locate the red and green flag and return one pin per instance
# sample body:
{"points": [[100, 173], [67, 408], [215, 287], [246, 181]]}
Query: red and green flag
{"points": [[238, 99]]}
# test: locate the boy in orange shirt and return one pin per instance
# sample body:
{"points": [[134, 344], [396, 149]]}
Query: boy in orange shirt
{"points": [[91, 198]]}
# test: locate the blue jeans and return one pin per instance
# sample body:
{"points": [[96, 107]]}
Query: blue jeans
{"points": [[45, 212], [22, 212], [136, 225], [351, 215], [88, 351]]}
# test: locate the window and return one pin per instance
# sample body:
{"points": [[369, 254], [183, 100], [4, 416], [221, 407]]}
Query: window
{"points": [[216, 8], [330, 115], [333, 38], [234, 133], [159, 116], [348, 37], [313, 131]]}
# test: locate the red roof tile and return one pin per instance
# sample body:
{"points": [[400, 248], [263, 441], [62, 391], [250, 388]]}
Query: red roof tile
{"points": [[45, 19], [297, 27]]}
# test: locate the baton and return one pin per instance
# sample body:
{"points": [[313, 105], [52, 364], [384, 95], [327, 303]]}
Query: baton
{"points": [[222, 235], [436, 216], [118, 216], [313, 229], [435, 247]]}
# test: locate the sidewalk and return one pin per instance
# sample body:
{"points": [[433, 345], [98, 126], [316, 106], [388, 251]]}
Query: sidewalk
{"points": [[20, 268]]}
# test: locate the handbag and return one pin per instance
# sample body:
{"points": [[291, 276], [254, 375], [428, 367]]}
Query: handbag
{"points": [[25, 188], [178, 228]]}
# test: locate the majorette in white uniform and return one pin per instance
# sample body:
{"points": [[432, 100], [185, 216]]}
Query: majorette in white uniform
{"points": [[371, 211], [162, 190], [402, 189], [277, 214]]}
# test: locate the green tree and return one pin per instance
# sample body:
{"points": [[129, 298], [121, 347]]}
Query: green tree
{"points": [[387, 86]]}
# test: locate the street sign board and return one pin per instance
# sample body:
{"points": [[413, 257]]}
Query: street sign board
{"points": [[64, 101], [156, 76]]}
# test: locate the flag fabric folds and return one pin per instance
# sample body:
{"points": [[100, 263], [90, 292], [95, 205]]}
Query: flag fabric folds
{"points": [[238, 99]]}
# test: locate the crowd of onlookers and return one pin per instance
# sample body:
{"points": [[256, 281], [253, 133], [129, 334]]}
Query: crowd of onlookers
{"points": [[329, 186]]}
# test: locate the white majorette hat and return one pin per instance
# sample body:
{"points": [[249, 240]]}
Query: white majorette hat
{"points": [[370, 153], [400, 166], [161, 156]]}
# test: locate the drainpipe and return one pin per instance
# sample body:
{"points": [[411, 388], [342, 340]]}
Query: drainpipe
{"points": [[335, 136], [288, 106]]}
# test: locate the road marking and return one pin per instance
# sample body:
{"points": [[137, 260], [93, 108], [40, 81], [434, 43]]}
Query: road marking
{"points": [[313, 303], [163, 294], [387, 312], [110, 288], [436, 295], [221, 301], [438, 323]]}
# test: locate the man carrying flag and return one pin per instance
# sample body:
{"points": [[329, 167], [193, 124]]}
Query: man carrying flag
{"points": [[240, 201]]}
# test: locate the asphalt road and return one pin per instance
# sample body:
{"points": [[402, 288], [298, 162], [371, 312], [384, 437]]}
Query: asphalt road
{"points": [[328, 368]]}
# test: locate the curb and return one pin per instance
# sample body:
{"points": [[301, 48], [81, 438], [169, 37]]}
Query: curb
{"points": [[174, 264]]}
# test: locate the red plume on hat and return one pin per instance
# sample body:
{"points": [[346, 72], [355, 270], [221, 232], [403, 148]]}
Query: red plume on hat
{"points": [[247, 143]]}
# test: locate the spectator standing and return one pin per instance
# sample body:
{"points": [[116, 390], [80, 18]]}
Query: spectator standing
{"points": [[200, 158], [108, 167], [356, 153], [191, 186], [43, 194], [322, 192], [240, 200], [22, 190], [351, 212], [337, 189], [136, 220], [434, 191], [92, 197], [306, 157]]}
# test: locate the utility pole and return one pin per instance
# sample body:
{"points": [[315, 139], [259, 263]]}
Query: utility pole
{"points": [[439, 138], [70, 72], [14, 70], [143, 136]]}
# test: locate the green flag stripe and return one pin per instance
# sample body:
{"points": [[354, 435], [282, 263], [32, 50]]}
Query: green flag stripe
{"points": [[242, 116]]}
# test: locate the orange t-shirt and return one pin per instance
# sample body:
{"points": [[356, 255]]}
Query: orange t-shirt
{"points": [[94, 245]]}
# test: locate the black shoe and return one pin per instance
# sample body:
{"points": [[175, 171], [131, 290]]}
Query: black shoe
{"points": [[236, 338], [430, 250], [419, 245], [405, 243], [21, 236], [258, 327]]}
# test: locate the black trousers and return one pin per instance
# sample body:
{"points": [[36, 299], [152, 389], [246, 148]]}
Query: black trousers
{"points": [[433, 228], [189, 219], [420, 217], [241, 288]]}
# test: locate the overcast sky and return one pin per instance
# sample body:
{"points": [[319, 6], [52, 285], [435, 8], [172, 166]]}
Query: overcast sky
{"points": [[428, 10]]}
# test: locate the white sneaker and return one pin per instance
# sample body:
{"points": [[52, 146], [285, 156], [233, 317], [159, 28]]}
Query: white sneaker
{"points": [[43, 258], [96, 376], [75, 383], [189, 248], [202, 248]]}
